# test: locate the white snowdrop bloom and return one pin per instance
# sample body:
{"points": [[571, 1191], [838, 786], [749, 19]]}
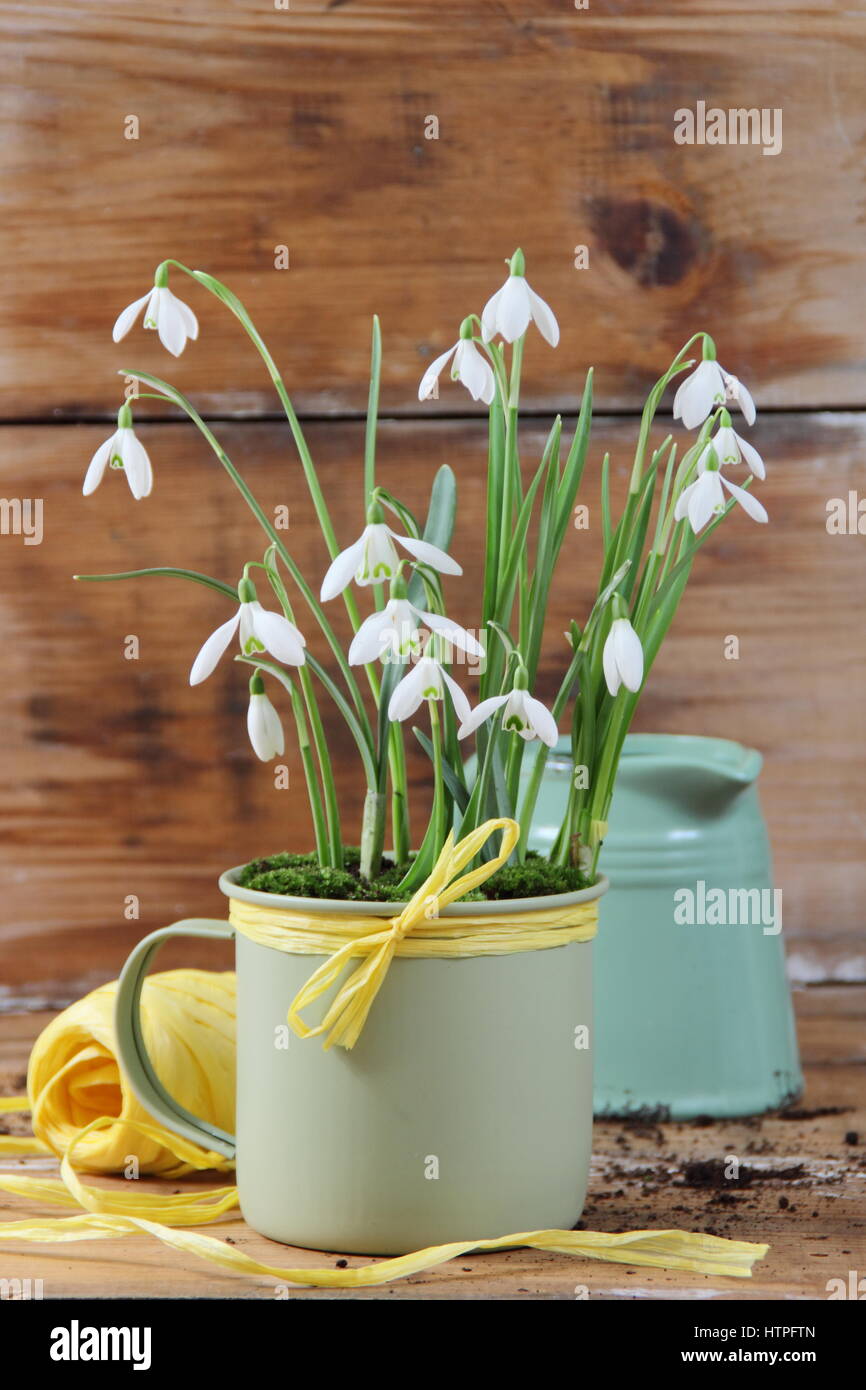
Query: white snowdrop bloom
{"points": [[731, 449], [260, 631], [469, 367], [426, 681], [373, 559], [705, 498], [263, 724], [521, 714], [706, 388], [393, 633], [121, 450], [512, 308], [622, 657], [173, 320]]}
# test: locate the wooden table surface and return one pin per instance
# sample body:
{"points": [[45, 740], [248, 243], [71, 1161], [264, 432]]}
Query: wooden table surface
{"points": [[802, 1189]]}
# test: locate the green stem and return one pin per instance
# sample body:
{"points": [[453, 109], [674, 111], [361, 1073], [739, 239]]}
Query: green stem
{"points": [[313, 791], [530, 796], [372, 833], [172, 394]]}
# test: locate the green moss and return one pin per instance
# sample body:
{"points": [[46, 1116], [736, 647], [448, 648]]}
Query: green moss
{"points": [[299, 876]]}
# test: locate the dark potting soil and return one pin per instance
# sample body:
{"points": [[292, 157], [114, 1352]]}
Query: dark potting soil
{"points": [[714, 1172], [300, 876]]}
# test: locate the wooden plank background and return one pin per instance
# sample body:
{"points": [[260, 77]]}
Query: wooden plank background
{"points": [[305, 128]]}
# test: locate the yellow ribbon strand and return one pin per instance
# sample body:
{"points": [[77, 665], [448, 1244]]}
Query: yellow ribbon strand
{"points": [[188, 1020], [418, 931]]}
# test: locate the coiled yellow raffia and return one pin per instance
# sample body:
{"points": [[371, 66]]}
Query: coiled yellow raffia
{"points": [[84, 1112]]}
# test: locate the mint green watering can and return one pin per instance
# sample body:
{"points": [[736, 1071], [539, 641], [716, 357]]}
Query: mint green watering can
{"points": [[692, 1004]]}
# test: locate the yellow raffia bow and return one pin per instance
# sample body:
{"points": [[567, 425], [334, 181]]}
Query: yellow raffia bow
{"points": [[73, 1073], [418, 931], [84, 1112]]}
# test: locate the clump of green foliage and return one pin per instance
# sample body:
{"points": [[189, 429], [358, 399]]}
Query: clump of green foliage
{"points": [[300, 876]]}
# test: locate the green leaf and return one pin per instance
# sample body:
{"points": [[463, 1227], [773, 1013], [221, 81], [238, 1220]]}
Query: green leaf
{"points": [[574, 463], [372, 412], [455, 786], [439, 526], [171, 571]]}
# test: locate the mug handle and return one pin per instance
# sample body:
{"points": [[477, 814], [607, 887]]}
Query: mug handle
{"points": [[132, 1053]]}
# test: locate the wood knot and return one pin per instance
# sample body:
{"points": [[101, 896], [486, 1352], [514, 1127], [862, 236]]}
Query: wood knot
{"points": [[651, 242]]}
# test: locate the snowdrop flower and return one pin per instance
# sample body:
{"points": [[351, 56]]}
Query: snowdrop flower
{"points": [[263, 723], [260, 631], [622, 657], [124, 451], [707, 387], [373, 558], [173, 320], [469, 367], [426, 681], [394, 632], [521, 714], [730, 449], [705, 498], [513, 307]]}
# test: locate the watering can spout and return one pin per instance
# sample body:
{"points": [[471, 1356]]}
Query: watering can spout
{"points": [[681, 765]]}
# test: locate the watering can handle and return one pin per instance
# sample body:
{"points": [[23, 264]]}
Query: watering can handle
{"points": [[132, 1053]]}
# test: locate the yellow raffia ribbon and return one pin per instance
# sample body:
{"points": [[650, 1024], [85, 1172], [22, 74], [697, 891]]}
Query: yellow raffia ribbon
{"points": [[418, 931], [84, 1112]]}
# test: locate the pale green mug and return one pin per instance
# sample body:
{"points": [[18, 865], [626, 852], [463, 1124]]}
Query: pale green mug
{"points": [[464, 1110]]}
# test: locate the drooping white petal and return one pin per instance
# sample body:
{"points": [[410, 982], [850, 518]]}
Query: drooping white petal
{"points": [[126, 318], [98, 464], [541, 720], [431, 375], [488, 315], [681, 509], [544, 317], [169, 323], [456, 635], [213, 649], [190, 322], [474, 372], [409, 692], [745, 402], [706, 500], [136, 464], [428, 554], [280, 637], [703, 389], [628, 653], [752, 458], [459, 698], [342, 569], [481, 712], [514, 311], [374, 638], [264, 728], [749, 504], [739, 395], [612, 677]]}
